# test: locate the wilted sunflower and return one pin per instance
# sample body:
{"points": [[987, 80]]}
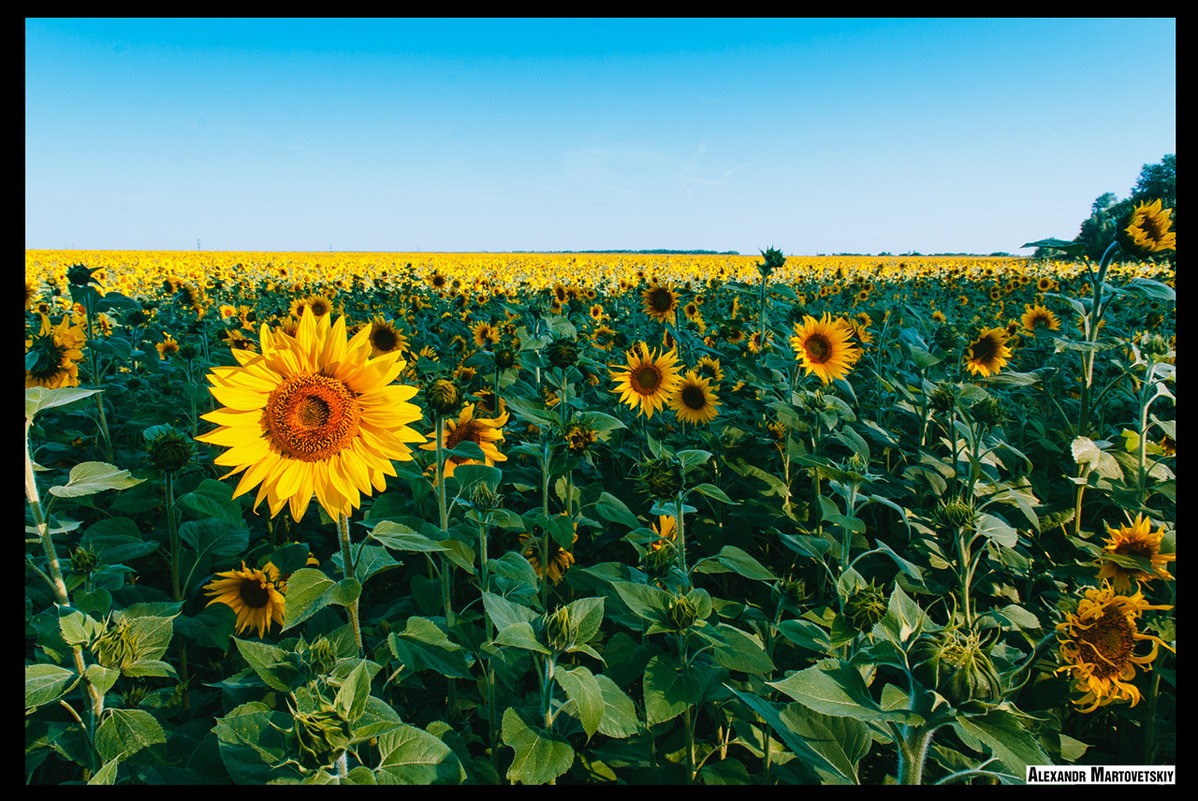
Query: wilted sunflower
{"points": [[1135, 540], [648, 380], [693, 401], [1097, 644], [1146, 230], [988, 353], [312, 413], [1039, 317], [485, 432], [256, 595], [660, 302], [824, 347]]}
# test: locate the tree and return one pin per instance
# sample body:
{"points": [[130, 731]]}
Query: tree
{"points": [[1155, 181]]}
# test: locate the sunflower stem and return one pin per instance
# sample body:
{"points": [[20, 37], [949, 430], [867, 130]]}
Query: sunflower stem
{"points": [[347, 567], [446, 567]]}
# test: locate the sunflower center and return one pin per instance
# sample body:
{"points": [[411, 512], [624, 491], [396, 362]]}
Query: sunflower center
{"points": [[818, 348], [984, 349], [383, 339], [661, 300], [693, 397], [253, 593], [1108, 644], [311, 417], [646, 379]]}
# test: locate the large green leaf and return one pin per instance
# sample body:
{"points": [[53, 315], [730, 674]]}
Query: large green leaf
{"points": [[1009, 741], [45, 683], [539, 755], [731, 559], [127, 731], [837, 689], [255, 746], [842, 741], [583, 689], [423, 646], [88, 478], [309, 590], [668, 690], [413, 756]]}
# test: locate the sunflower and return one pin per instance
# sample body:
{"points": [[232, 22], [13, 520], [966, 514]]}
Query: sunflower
{"points": [[1135, 540], [660, 302], [580, 439], [559, 562], [58, 350], [1147, 230], [256, 595], [485, 432], [693, 401], [385, 337], [824, 347], [312, 413], [988, 353], [484, 334], [666, 529], [647, 380], [1039, 317], [1097, 644]]}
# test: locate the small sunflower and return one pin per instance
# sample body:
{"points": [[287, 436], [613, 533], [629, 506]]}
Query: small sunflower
{"points": [[693, 401], [385, 337], [1097, 645], [824, 347], [666, 529], [1035, 317], [988, 353], [1136, 539], [1147, 230], [484, 334], [256, 595], [646, 382], [659, 302], [167, 347], [580, 439], [485, 432], [312, 414]]}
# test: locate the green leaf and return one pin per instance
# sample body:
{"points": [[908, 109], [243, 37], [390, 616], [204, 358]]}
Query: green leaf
{"points": [[520, 635], [88, 478], [810, 762], [997, 529], [582, 688], [619, 716], [731, 559], [1086, 452], [738, 650], [1075, 249], [668, 690], [837, 689], [353, 693], [1012, 744], [45, 683], [38, 398], [255, 746], [842, 741], [309, 590], [271, 663], [413, 756], [648, 603], [125, 732], [399, 537], [611, 508], [503, 612], [423, 646], [539, 755], [106, 775]]}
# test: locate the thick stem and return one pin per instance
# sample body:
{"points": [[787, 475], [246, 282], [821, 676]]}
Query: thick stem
{"points": [[347, 566]]}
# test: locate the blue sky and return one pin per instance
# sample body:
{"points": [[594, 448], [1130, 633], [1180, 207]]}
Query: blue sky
{"points": [[813, 136]]}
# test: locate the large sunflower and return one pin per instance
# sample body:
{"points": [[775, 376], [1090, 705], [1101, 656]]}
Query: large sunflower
{"points": [[988, 353], [693, 400], [57, 351], [1097, 645], [485, 432], [660, 302], [1134, 540], [256, 595], [647, 380], [312, 413], [825, 347]]}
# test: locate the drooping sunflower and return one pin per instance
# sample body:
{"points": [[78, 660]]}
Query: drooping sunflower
{"points": [[1146, 230], [660, 302], [1139, 540], [1035, 317], [988, 353], [646, 382], [312, 413], [1098, 642], [559, 560], [694, 401], [485, 432], [58, 351], [256, 595], [825, 347]]}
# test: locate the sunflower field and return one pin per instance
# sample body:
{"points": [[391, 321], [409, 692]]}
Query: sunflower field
{"points": [[598, 518]]}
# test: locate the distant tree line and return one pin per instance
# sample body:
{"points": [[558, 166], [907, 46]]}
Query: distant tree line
{"points": [[1156, 181]]}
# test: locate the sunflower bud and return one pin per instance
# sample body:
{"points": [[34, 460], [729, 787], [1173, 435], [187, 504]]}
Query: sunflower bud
{"points": [[504, 358], [793, 590], [484, 497], [661, 478], [442, 397], [956, 512], [322, 735], [773, 260], [559, 629], [987, 411], [682, 612], [84, 560], [188, 350], [562, 353], [169, 450], [321, 656], [944, 398], [80, 275], [957, 666], [865, 607], [115, 648]]}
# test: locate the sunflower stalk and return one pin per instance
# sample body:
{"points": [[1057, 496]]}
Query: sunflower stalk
{"points": [[443, 518], [95, 372], [347, 566]]}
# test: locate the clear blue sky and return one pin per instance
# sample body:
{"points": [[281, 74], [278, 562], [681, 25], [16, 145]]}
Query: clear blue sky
{"points": [[813, 136]]}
